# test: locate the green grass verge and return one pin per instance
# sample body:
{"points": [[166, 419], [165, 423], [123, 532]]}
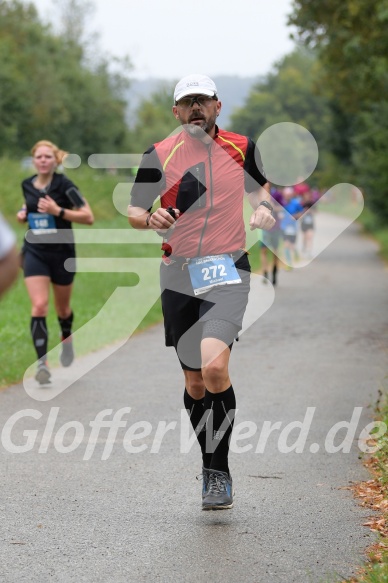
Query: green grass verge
{"points": [[91, 292], [379, 232], [378, 571], [382, 453], [374, 495]]}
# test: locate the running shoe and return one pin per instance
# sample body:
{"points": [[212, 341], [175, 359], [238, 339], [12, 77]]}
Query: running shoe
{"points": [[204, 476], [43, 374], [67, 353], [205, 481], [219, 494]]}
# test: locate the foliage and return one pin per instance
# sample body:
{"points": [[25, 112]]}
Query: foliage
{"points": [[373, 494], [352, 45], [370, 157], [288, 94], [154, 119], [48, 91]]}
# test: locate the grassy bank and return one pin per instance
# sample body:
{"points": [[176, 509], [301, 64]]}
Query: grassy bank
{"points": [[375, 229], [373, 494], [91, 292]]}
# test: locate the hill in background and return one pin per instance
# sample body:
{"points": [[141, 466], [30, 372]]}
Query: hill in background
{"points": [[233, 91]]}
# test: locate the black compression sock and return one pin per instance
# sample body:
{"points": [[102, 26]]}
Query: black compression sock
{"points": [[274, 273], [39, 336], [196, 411], [65, 324], [222, 408]]}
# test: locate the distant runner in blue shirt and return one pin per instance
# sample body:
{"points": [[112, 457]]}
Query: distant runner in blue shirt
{"points": [[288, 224], [270, 240]]}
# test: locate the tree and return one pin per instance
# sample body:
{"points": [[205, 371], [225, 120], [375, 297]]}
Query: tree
{"points": [[351, 37], [287, 94], [49, 91], [154, 119], [73, 17], [370, 158], [352, 43]]}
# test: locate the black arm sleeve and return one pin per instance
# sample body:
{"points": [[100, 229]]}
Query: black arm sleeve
{"points": [[253, 166], [149, 181]]}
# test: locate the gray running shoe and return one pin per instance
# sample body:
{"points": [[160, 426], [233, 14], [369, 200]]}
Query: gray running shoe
{"points": [[219, 494], [67, 353], [205, 481], [43, 374], [204, 476]]}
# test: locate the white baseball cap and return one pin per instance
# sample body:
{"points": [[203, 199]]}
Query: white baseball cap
{"points": [[195, 84]]}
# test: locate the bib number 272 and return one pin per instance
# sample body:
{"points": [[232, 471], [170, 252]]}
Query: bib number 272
{"points": [[212, 270]]}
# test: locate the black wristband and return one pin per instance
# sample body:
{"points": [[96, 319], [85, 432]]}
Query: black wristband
{"points": [[267, 205], [61, 213], [148, 219]]}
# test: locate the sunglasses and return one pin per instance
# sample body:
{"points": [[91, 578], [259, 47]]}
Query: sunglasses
{"points": [[202, 100]]}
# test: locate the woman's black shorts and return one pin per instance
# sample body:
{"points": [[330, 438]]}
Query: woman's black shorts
{"points": [[49, 263]]}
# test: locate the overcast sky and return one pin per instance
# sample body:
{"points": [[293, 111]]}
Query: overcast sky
{"points": [[172, 38]]}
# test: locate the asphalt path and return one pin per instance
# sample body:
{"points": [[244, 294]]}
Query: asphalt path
{"points": [[317, 357]]}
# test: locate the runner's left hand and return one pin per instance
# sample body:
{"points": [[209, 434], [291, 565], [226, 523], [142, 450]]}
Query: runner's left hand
{"points": [[261, 219]]}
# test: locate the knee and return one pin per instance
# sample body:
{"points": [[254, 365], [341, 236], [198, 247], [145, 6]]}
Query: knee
{"points": [[40, 309], [63, 313], [195, 388], [214, 373]]}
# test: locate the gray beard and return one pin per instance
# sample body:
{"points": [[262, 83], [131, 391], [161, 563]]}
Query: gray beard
{"points": [[197, 131]]}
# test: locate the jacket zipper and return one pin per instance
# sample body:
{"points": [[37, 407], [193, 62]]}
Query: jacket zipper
{"points": [[210, 155], [198, 190]]}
